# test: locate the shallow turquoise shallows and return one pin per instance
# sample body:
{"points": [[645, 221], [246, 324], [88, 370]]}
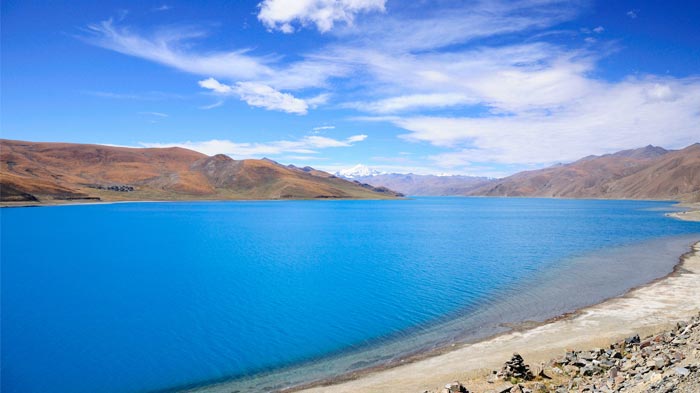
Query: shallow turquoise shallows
{"points": [[163, 296]]}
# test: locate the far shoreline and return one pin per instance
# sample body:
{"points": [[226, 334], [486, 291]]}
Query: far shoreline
{"points": [[687, 207]]}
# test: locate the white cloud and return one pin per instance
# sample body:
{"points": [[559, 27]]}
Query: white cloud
{"points": [[281, 14], [506, 78], [321, 128], [263, 96], [441, 26], [315, 102], [356, 138], [632, 14], [611, 117], [257, 94], [307, 145], [216, 86], [415, 101], [599, 29]]}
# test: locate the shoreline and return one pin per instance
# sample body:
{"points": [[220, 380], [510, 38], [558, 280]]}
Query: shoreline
{"points": [[691, 212], [691, 208], [347, 381], [72, 203], [643, 310]]}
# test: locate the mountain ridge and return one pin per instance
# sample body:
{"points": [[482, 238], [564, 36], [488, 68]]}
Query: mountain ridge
{"points": [[645, 173], [54, 172]]}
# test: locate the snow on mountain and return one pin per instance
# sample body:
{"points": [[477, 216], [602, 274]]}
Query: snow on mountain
{"points": [[358, 170]]}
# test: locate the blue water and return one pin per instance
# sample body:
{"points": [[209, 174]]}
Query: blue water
{"points": [[154, 296]]}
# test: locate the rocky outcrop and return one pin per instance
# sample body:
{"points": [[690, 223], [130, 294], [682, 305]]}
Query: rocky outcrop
{"points": [[665, 362]]}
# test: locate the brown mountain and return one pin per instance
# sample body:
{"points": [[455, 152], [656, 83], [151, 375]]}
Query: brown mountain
{"points": [[42, 172], [646, 173]]}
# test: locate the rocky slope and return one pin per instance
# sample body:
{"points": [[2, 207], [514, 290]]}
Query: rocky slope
{"points": [[46, 172], [664, 362], [645, 173]]}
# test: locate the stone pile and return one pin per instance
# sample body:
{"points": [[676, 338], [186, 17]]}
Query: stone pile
{"points": [[515, 368]]}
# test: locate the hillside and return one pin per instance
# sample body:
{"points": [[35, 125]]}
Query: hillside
{"points": [[426, 185], [46, 172], [645, 173]]}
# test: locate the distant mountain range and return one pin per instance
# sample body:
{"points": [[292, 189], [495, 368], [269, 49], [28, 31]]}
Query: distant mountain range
{"points": [[650, 172], [44, 172], [357, 171], [426, 185]]}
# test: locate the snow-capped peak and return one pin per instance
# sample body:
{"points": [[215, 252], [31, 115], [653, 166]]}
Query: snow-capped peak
{"points": [[358, 170]]}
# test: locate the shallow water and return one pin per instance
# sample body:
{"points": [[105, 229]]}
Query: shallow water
{"points": [[155, 296]]}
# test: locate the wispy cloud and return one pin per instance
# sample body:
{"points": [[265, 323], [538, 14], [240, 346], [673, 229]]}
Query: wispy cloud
{"points": [[608, 118], [632, 14], [414, 102], [283, 14], [168, 46], [307, 145], [156, 114], [212, 106]]}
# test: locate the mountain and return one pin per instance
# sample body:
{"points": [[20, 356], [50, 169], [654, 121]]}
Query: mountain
{"points": [[357, 171], [31, 171], [645, 173], [426, 185]]}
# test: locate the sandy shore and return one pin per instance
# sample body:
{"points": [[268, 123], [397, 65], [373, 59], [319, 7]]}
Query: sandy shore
{"points": [[692, 212], [645, 310]]}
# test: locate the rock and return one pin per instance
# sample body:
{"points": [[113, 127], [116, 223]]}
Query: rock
{"points": [[632, 340], [455, 387], [682, 371]]}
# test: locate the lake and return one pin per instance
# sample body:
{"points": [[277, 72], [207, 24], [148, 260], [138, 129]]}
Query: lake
{"points": [[140, 297]]}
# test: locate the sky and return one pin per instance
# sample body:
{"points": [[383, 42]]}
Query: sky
{"points": [[484, 88]]}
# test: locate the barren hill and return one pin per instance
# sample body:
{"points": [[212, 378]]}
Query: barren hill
{"points": [[646, 173], [32, 171]]}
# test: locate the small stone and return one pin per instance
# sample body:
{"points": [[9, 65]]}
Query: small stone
{"points": [[632, 339], [455, 387], [682, 371]]}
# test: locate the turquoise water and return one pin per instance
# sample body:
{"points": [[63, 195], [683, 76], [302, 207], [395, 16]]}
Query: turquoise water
{"points": [[159, 296]]}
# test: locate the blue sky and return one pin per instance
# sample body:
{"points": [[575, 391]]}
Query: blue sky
{"points": [[460, 87]]}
